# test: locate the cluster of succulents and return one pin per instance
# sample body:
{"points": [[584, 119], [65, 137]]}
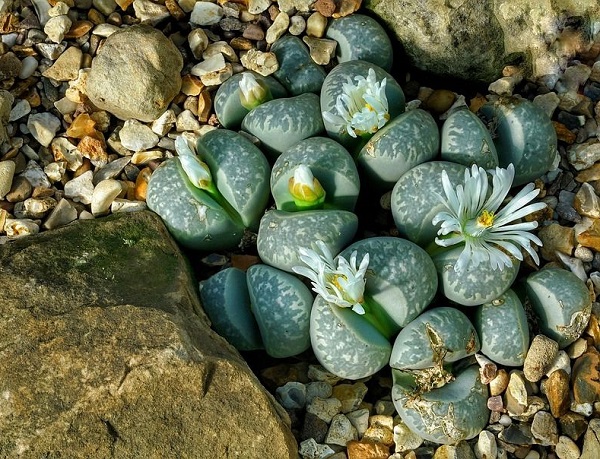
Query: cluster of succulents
{"points": [[424, 303]]}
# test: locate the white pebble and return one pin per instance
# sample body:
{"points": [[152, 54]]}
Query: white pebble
{"points": [[313, 450], [136, 136], [163, 124], [57, 27], [341, 431], [297, 25], [35, 175], [58, 9], [124, 205], [150, 12], [405, 439], [28, 66], [486, 447], [19, 110], [258, 6], [360, 420], [103, 196], [43, 127], [198, 42], [187, 121], [206, 13], [104, 30], [561, 362], [81, 188], [212, 64], [7, 172], [19, 227]]}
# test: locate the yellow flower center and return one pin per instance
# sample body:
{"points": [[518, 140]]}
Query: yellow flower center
{"points": [[486, 219]]}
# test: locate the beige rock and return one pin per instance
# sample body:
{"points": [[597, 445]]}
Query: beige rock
{"points": [[43, 127], [321, 49], [316, 25], [297, 25], [258, 6], [16, 228], [66, 67], [591, 441], [150, 12], [57, 27], [278, 28], [122, 352], [567, 448], [63, 214], [587, 201], [557, 392], [7, 172], [540, 356], [198, 42], [556, 238], [104, 194], [264, 63]]}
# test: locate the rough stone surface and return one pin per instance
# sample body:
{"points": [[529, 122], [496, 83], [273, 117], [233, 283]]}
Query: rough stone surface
{"points": [[103, 341], [540, 356], [475, 40], [135, 74]]}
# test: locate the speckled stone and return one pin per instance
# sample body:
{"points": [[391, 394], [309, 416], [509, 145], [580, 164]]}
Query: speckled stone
{"points": [[324, 408], [540, 356], [573, 425], [567, 448], [7, 172], [586, 377], [557, 392], [544, 428], [351, 395], [591, 441], [341, 431]]}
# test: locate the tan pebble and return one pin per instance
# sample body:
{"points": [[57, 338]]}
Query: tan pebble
{"points": [[316, 25], [585, 377], [204, 106], [191, 104], [20, 227], [351, 395], [557, 391], [587, 202], [86, 165], [163, 124], [258, 6], [593, 329], [63, 214], [499, 383], [253, 32], [325, 7], [321, 49], [541, 354], [217, 77], [379, 434], [126, 205], [79, 29], [567, 448], [590, 174], [36, 208], [7, 172], [21, 189], [104, 194], [367, 450], [96, 17], [556, 238], [94, 149], [297, 25], [264, 63], [577, 348], [515, 396], [241, 43], [220, 47], [175, 10], [63, 150], [278, 28], [102, 120], [143, 157], [405, 438], [346, 7], [191, 85], [3, 217], [81, 126], [141, 184], [440, 101]]}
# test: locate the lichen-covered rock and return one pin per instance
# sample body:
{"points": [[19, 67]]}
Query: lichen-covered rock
{"points": [[503, 330], [135, 74], [113, 346], [491, 34]]}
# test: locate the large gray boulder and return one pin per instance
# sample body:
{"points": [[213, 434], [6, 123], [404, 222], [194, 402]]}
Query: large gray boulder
{"points": [[474, 40], [136, 74], [105, 352]]}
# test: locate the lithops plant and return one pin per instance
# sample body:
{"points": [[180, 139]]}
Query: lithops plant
{"points": [[561, 301], [229, 99], [454, 412], [361, 37], [358, 310], [466, 140], [408, 140], [207, 201], [280, 123], [357, 99], [297, 71], [524, 136], [502, 327], [262, 308], [329, 163]]}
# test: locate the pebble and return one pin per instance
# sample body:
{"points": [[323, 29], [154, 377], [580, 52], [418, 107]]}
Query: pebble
{"points": [[405, 439], [310, 449], [586, 377], [80, 189], [367, 450], [505, 86], [555, 238], [51, 50], [150, 12], [206, 14], [384, 407], [103, 195], [93, 149], [43, 127], [7, 172], [66, 67], [35, 175], [125, 205], [587, 202], [144, 157], [57, 27], [341, 431], [572, 424], [198, 42], [106, 7], [350, 395], [318, 373], [360, 420], [499, 383], [562, 361], [583, 156], [258, 6], [28, 66], [187, 121], [263, 63], [56, 171], [591, 440], [21, 189], [292, 395], [557, 391], [221, 47], [486, 447], [313, 427], [297, 25], [540, 356], [325, 409], [316, 25], [278, 28], [547, 102], [321, 49], [137, 136], [19, 110], [320, 389], [34, 208], [461, 450], [20, 227], [63, 213], [567, 448], [544, 428], [163, 124], [515, 397], [214, 63]]}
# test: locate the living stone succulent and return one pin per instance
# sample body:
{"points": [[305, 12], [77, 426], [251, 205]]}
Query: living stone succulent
{"points": [[465, 231]]}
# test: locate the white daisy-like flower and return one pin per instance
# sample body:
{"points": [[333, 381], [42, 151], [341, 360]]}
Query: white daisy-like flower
{"points": [[362, 108], [305, 188], [252, 92], [342, 285], [196, 170], [488, 232]]}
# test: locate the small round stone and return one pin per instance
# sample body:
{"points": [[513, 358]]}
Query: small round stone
{"points": [[567, 448]]}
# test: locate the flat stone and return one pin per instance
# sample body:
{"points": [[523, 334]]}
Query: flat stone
{"points": [[591, 441], [136, 74], [322, 50], [574, 425], [544, 428], [254, 32], [310, 449], [341, 431], [517, 434], [587, 202], [66, 67], [555, 238], [125, 205], [540, 356], [206, 14], [152, 311], [57, 27], [80, 189], [350, 395], [43, 127], [63, 213], [136, 136], [16, 228], [557, 392], [567, 448]]}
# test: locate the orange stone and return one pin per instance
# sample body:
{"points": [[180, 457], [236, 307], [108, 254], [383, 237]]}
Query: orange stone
{"points": [[175, 10], [79, 29], [96, 17], [82, 126], [593, 329], [557, 392], [243, 262], [477, 102], [590, 174], [367, 449], [325, 7], [85, 166], [346, 7], [586, 377], [94, 149], [141, 184], [563, 133], [591, 236], [204, 106], [33, 97], [191, 85], [124, 4]]}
